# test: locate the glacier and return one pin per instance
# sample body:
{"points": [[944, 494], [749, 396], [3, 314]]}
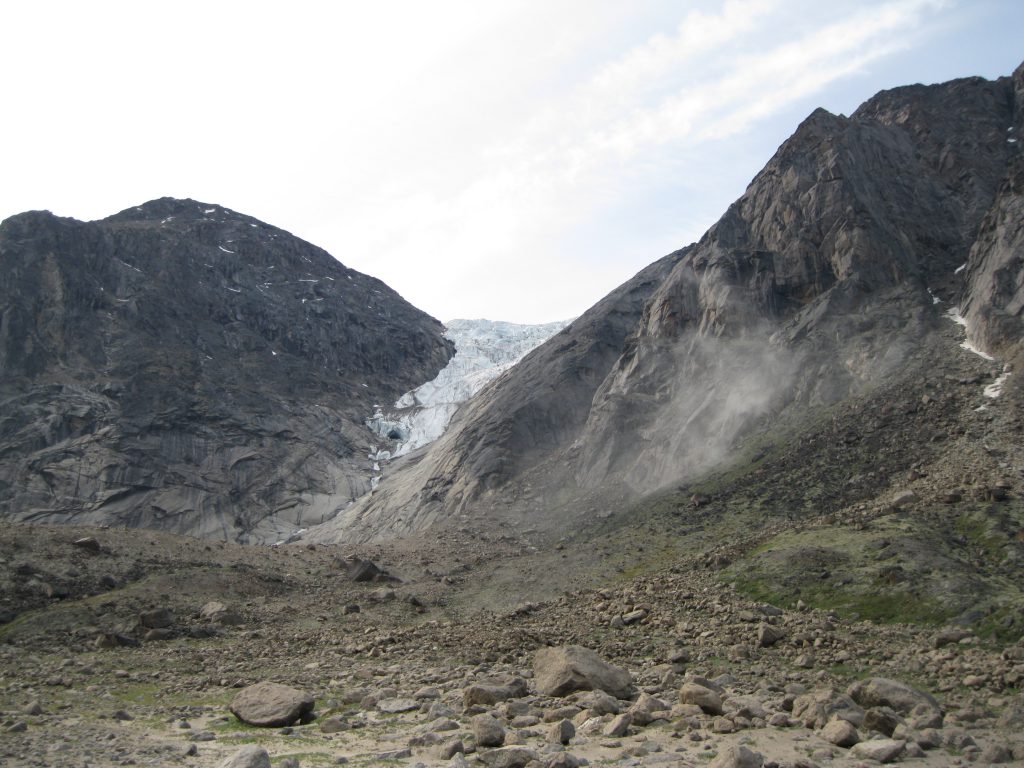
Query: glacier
{"points": [[484, 349]]}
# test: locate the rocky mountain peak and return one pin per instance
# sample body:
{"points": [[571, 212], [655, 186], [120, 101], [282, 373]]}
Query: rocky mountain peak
{"points": [[825, 280], [179, 365]]}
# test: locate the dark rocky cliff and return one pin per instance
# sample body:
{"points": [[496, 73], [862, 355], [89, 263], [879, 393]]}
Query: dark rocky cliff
{"points": [[824, 280], [185, 367]]}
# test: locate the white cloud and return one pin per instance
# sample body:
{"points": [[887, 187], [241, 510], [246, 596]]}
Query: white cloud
{"points": [[490, 159], [570, 161]]}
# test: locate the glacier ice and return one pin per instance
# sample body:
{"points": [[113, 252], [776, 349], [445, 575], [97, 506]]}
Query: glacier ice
{"points": [[484, 349]]}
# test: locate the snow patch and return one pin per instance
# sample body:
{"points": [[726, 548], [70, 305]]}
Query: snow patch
{"points": [[953, 313], [995, 389], [960, 269], [225, 250]]}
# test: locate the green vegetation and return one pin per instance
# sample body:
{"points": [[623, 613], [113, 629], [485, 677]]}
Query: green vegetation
{"points": [[883, 607]]}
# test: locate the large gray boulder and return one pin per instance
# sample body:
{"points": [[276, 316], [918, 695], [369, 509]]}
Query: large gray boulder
{"points": [[562, 670], [271, 705], [883, 692]]}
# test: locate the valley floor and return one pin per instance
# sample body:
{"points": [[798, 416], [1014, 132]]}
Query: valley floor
{"points": [[85, 681]]}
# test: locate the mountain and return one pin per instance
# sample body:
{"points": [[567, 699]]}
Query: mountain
{"points": [[832, 280], [184, 367]]}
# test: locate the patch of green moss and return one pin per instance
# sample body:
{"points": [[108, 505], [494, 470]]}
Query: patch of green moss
{"points": [[976, 528], [884, 607], [10, 627]]}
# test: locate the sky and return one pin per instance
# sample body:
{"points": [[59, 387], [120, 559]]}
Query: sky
{"points": [[503, 160]]}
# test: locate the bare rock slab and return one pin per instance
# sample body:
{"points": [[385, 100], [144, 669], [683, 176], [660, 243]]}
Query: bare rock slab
{"points": [[397, 705], [271, 705], [560, 671]]}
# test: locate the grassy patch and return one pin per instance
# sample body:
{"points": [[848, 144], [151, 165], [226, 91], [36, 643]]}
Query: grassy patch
{"points": [[10, 627], [884, 607], [982, 535]]}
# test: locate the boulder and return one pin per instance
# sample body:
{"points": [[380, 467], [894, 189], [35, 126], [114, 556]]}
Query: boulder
{"points": [[705, 698], [394, 706], [562, 760], [768, 635], [561, 732], [508, 757], [619, 725], [359, 570], [217, 613], [334, 724], [488, 692], [647, 708], [882, 750], [737, 757], [883, 692], [249, 756], [487, 731], [882, 719], [89, 544], [451, 748], [598, 702], [562, 670], [816, 708], [271, 705], [841, 733]]}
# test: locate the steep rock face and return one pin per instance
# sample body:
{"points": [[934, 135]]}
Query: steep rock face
{"points": [[837, 263], [993, 300], [182, 366], [813, 285]]}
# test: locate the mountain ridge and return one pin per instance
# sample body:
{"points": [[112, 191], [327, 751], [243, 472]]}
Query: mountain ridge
{"points": [[817, 284]]}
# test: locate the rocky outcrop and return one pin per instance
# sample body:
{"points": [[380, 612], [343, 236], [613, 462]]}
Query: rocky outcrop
{"points": [[185, 367], [993, 301], [822, 282]]}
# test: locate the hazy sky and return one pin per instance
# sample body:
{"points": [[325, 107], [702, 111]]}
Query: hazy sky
{"points": [[508, 160]]}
